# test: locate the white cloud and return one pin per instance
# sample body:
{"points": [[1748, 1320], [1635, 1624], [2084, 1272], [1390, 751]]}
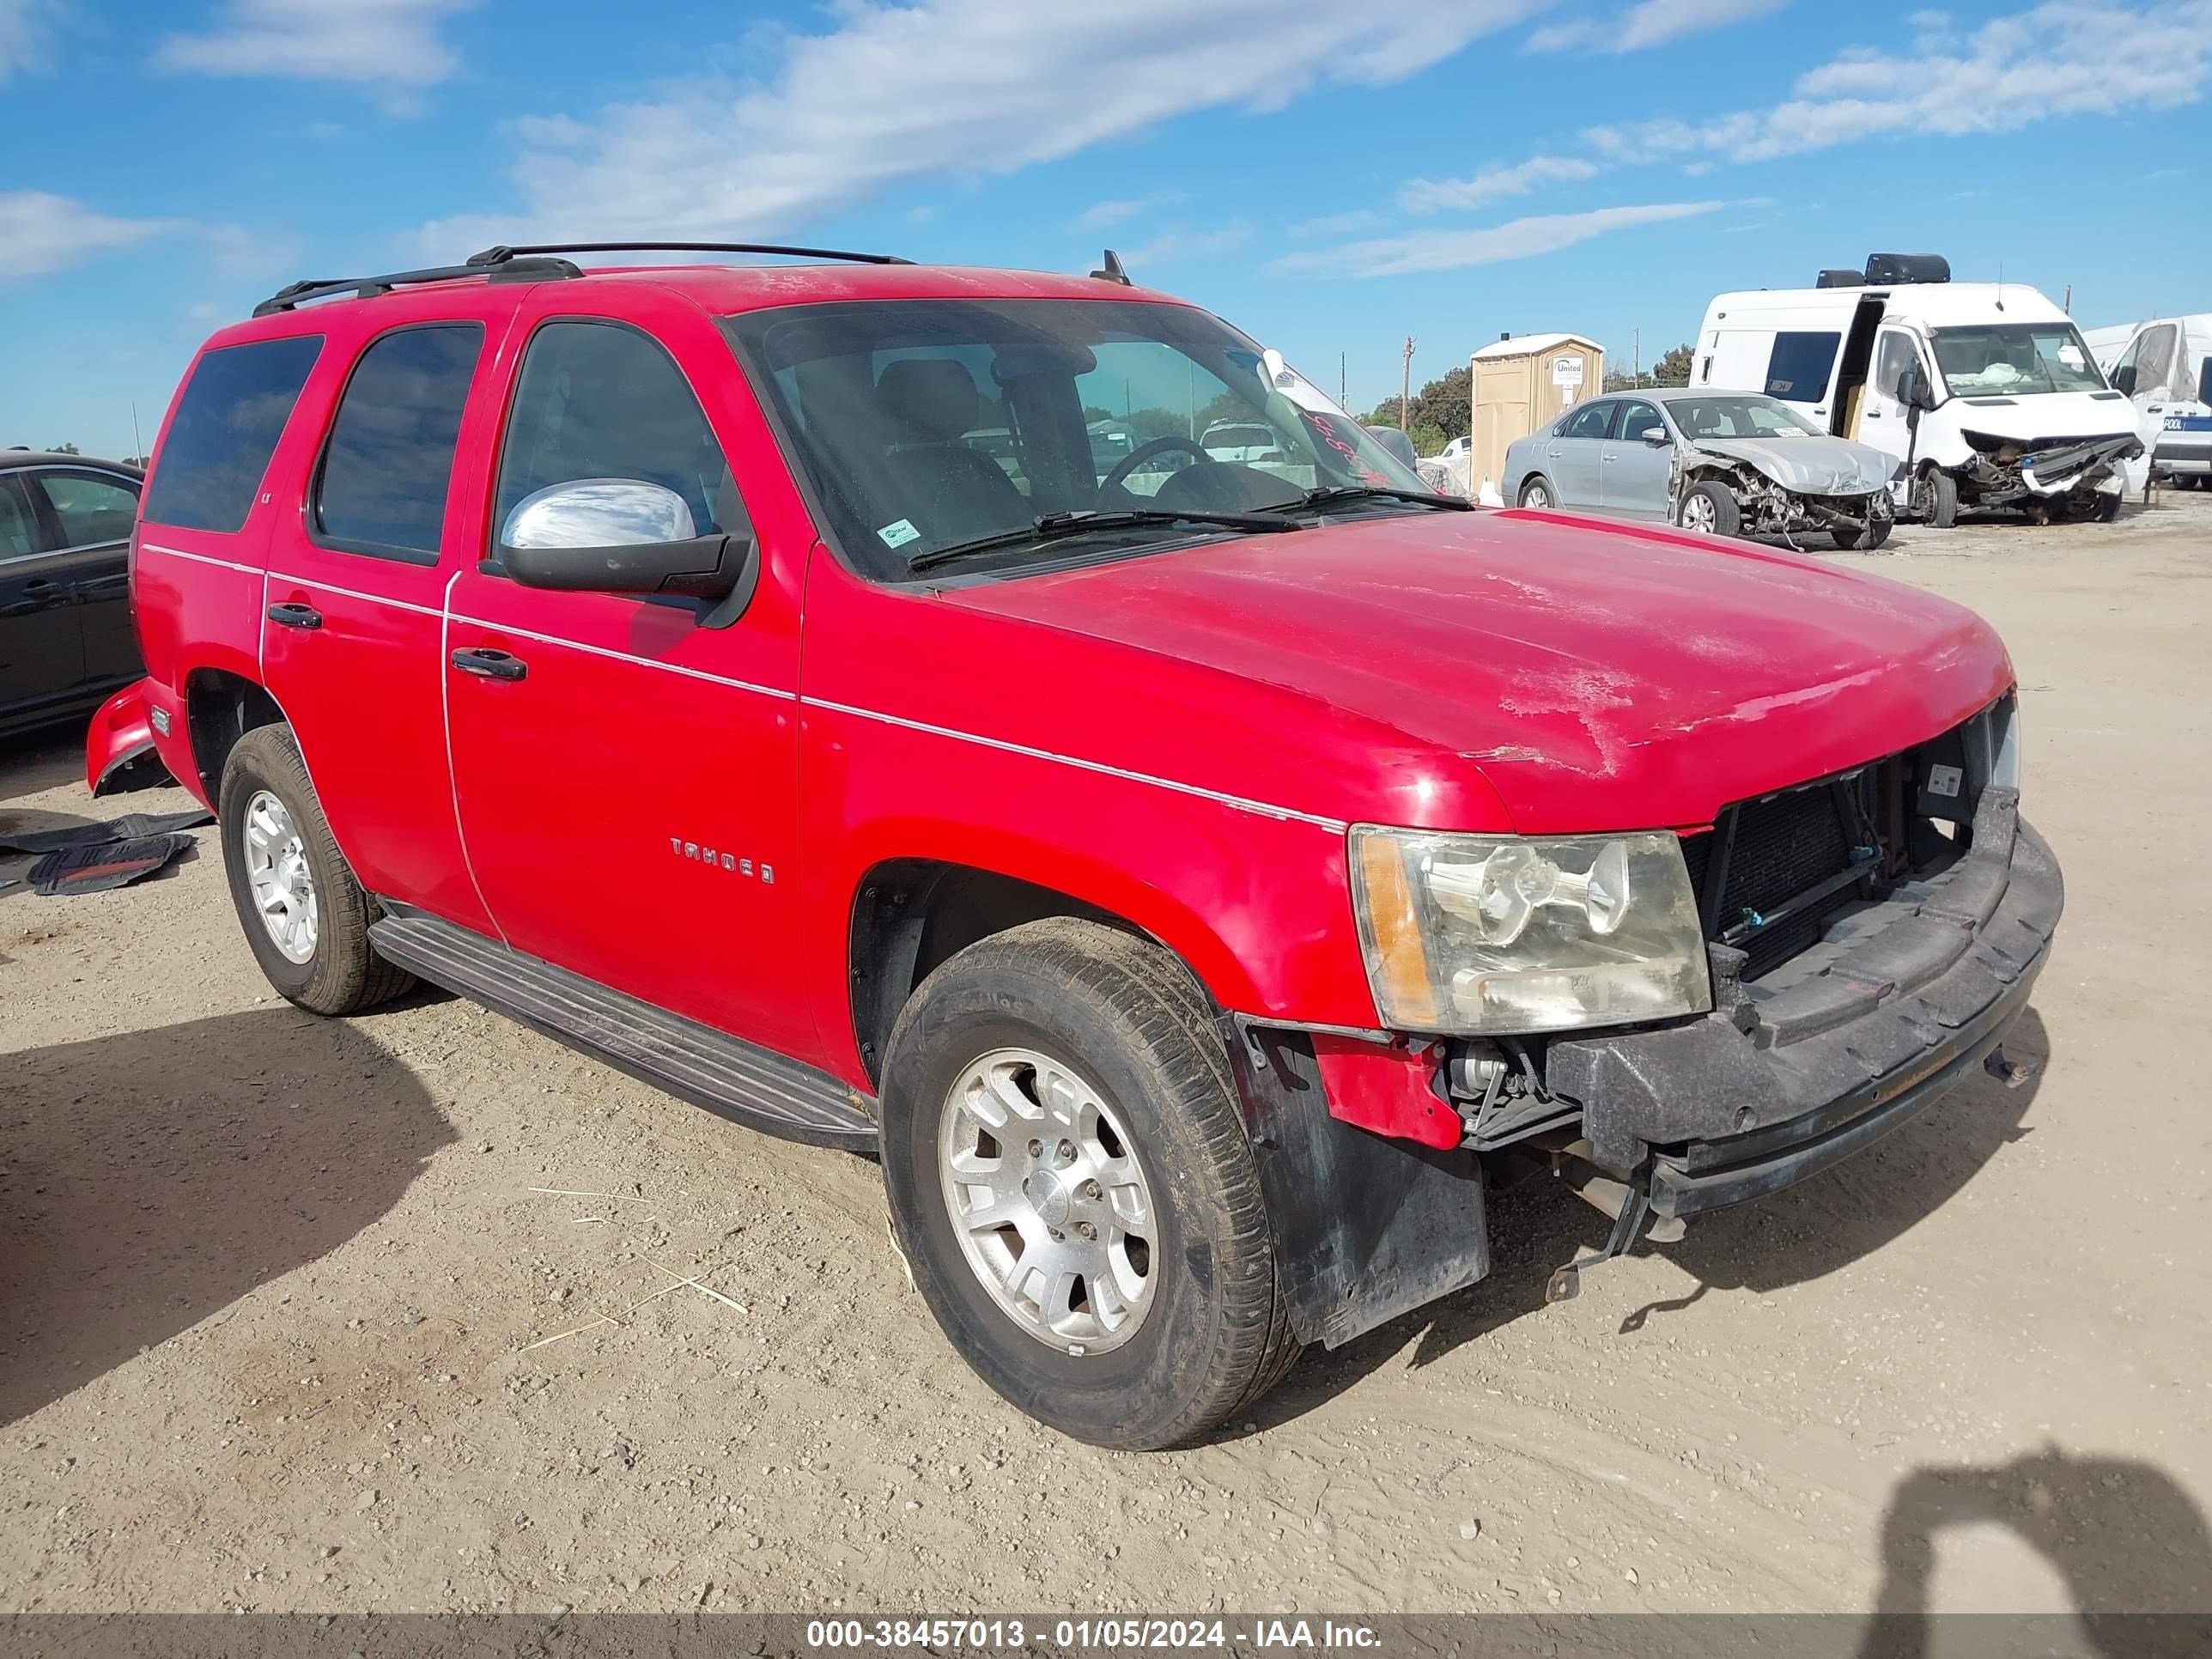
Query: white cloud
{"points": [[1521, 239], [26, 29], [39, 232], [1100, 214], [900, 92], [393, 42], [2068, 57], [1489, 183], [1183, 245], [1647, 24]]}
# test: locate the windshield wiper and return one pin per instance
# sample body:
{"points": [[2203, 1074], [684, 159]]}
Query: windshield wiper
{"points": [[1052, 526], [1355, 492]]}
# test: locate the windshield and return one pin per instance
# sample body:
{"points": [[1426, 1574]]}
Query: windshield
{"points": [[2015, 360], [923, 424], [1739, 418]]}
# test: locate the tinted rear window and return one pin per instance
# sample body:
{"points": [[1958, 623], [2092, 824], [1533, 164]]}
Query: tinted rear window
{"points": [[390, 460], [1799, 369], [224, 431]]}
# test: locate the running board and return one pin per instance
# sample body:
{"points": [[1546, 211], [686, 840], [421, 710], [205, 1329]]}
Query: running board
{"points": [[747, 1084]]}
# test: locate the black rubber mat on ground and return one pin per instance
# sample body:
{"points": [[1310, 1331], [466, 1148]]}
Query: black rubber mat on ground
{"points": [[131, 826], [96, 868]]}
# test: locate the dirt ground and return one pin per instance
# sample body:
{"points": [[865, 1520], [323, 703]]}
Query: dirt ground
{"points": [[388, 1314]]}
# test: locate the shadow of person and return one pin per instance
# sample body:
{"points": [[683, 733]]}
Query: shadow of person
{"points": [[1790, 1237], [2133, 1549], [150, 1178]]}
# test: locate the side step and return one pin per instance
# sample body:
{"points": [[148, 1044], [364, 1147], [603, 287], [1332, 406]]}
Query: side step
{"points": [[732, 1079]]}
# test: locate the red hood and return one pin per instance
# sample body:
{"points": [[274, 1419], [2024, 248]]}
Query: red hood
{"points": [[1598, 676]]}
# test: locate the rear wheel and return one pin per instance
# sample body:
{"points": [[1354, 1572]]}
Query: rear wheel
{"points": [[1709, 507], [305, 916], [1071, 1183], [2107, 507], [1936, 499], [1536, 492]]}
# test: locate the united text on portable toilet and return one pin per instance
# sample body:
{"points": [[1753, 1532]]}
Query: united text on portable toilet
{"points": [[1523, 382]]}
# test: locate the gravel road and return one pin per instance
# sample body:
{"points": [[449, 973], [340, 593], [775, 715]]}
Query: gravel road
{"points": [[420, 1311]]}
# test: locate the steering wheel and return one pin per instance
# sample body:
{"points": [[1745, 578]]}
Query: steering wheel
{"points": [[1144, 452]]}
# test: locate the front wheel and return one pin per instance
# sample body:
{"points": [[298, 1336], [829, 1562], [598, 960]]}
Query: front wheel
{"points": [[304, 915], [1536, 494], [1711, 508], [1936, 499], [1072, 1186]]}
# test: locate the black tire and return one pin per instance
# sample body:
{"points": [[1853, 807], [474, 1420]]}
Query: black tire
{"points": [[2107, 507], [1727, 516], [1854, 539], [343, 975], [1936, 499], [1537, 495], [1130, 1019]]}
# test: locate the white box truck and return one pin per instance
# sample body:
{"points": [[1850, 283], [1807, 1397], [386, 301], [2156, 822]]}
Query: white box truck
{"points": [[1983, 393]]}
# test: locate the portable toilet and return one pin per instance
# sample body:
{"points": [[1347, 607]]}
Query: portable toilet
{"points": [[1521, 383]]}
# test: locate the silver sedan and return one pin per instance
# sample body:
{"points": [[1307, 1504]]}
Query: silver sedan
{"points": [[1727, 463]]}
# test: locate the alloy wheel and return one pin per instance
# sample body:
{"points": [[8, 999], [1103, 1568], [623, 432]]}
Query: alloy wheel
{"points": [[1051, 1207], [279, 876]]}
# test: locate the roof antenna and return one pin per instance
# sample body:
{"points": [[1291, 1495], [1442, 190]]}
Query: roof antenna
{"points": [[1111, 271], [2000, 285]]}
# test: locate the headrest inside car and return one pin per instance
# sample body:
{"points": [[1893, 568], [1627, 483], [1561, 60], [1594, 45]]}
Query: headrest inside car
{"points": [[931, 399]]}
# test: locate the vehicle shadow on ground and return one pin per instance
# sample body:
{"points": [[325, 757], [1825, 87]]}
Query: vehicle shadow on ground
{"points": [[150, 1178], [1791, 1237], [44, 759], [2133, 1549]]}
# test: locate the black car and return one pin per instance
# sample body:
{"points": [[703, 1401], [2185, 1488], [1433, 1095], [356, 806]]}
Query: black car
{"points": [[66, 639]]}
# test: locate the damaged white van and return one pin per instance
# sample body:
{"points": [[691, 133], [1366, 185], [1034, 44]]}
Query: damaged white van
{"points": [[1983, 394]]}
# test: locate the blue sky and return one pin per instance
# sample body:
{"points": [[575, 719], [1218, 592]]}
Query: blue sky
{"points": [[1331, 178]]}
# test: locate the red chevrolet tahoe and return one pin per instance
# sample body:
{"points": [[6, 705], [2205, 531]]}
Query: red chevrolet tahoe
{"points": [[851, 696]]}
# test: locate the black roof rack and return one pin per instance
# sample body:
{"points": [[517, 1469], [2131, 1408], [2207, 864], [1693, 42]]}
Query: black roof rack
{"points": [[504, 255], [367, 288]]}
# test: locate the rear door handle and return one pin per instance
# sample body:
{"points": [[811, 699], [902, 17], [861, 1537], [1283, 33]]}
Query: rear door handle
{"points": [[296, 615], [487, 664]]}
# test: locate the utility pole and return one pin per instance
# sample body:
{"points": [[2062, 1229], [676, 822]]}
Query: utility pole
{"points": [[1405, 390], [1341, 393], [138, 448], [1636, 359]]}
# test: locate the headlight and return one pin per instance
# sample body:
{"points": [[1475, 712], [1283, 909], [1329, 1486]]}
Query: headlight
{"points": [[1496, 934]]}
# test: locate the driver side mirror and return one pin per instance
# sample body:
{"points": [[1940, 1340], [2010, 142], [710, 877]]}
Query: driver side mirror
{"points": [[1913, 390], [626, 536], [2123, 380], [1656, 436]]}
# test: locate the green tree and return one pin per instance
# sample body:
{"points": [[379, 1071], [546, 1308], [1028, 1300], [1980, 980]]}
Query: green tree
{"points": [[1447, 403], [65, 449], [1428, 438], [1383, 414], [1673, 369]]}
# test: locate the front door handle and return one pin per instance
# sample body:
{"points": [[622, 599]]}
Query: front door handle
{"points": [[487, 664], [296, 615]]}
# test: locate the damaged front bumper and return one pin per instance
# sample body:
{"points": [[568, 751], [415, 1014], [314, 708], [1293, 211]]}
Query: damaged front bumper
{"points": [[2002, 472], [1820, 1059]]}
